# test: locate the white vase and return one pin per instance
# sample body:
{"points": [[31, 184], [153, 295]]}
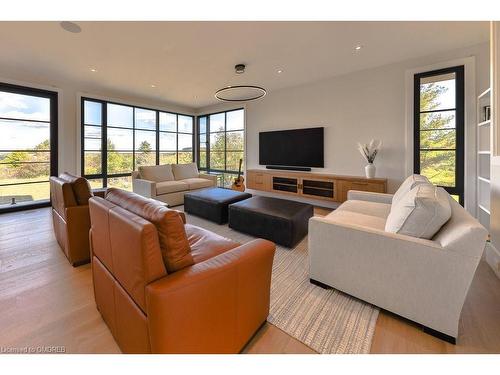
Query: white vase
{"points": [[370, 170]]}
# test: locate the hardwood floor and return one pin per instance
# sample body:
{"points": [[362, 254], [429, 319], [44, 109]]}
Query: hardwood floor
{"points": [[44, 302]]}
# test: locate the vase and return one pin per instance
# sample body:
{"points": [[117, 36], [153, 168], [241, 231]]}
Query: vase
{"points": [[370, 170]]}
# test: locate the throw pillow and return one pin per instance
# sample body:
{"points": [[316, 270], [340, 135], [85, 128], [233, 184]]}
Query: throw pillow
{"points": [[420, 213], [157, 173], [184, 171], [408, 184]]}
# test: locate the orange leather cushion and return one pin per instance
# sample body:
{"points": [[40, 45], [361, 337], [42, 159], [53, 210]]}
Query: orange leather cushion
{"points": [[174, 244], [205, 244], [81, 188]]}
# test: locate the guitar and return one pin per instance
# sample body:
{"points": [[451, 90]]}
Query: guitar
{"points": [[239, 182]]}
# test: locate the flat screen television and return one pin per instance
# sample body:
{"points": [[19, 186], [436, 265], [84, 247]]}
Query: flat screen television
{"points": [[292, 148]]}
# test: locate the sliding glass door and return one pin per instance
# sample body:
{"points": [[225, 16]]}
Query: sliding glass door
{"points": [[28, 146]]}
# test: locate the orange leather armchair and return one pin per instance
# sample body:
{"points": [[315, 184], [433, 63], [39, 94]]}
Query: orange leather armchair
{"points": [[213, 306], [70, 216]]}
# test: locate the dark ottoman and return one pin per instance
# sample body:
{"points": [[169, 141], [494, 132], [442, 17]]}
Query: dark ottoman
{"points": [[211, 204], [281, 221]]}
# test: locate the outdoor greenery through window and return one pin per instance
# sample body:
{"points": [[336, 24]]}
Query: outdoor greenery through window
{"points": [[119, 138], [28, 145], [221, 143], [439, 128]]}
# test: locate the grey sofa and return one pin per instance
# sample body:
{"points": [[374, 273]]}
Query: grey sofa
{"points": [[169, 182]]}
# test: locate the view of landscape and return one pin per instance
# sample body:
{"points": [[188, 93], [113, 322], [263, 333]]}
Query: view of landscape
{"points": [[24, 148], [222, 143], [437, 130], [132, 141]]}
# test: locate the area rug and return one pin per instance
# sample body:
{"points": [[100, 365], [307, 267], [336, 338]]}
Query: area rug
{"points": [[327, 321]]}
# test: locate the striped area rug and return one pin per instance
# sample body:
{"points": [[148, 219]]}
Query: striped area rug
{"points": [[327, 321]]}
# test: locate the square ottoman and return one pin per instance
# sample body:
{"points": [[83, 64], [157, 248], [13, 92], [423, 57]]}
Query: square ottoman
{"points": [[279, 220], [212, 203]]}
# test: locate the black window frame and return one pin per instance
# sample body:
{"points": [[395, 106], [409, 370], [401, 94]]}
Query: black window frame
{"points": [[53, 96], [207, 133], [104, 175], [459, 188]]}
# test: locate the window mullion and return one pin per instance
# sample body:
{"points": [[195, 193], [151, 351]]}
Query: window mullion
{"points": [[157, 138], [104, 133]]}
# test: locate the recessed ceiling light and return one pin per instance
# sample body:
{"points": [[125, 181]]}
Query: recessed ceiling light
{"points": [[153, 86], [70, 27], [280, 71], [358, 47], [239, 68], [93, 70]]}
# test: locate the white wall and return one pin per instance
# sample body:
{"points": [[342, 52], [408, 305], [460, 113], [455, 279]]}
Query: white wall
{"points": [[69, 119], [354, 107]]}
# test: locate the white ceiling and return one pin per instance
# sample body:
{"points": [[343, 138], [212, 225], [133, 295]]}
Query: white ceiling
{"points": [[189, 61]]}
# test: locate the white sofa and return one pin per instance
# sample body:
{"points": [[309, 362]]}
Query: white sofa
{"points": [[423, 280], [169, 182]]}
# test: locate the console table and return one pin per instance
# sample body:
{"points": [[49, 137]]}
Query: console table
{"points": [[322, 186]]}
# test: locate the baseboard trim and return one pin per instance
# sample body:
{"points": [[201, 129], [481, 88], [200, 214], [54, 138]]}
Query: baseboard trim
{"points": [[492, 257]]}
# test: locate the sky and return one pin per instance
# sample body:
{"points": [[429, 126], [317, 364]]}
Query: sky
{"points": [[122, 116], [447, 98], [23, 134]]}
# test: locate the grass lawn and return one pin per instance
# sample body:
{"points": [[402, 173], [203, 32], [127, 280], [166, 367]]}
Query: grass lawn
{"points": [[24, 193]]}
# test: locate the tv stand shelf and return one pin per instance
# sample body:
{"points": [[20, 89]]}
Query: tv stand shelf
{"points": [[321, 186]]}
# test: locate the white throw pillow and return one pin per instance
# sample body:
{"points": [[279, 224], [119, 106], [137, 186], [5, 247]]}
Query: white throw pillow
{"points": [[183, 171], [157, 173], [420, 213], [408, 184]]}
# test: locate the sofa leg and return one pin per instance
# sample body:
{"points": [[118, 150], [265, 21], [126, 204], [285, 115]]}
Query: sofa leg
{"points": [[80, 263], [440, 335], [320, 284]]}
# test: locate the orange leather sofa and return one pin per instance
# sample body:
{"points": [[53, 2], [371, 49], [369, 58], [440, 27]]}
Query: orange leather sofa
{"points": [[70, 216], [214, 304]]}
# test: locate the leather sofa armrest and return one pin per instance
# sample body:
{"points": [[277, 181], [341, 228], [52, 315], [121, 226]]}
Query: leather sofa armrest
{"points": [[183, 216], [369, 196], [214, 306], [210, 177], [77, 227], [145, 188]]}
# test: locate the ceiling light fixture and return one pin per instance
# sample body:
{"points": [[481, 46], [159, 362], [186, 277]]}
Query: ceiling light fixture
{"points": [[93, 70], [153, 86], [70, 27], [240, 93], [280, 71], [239, 68], [358, 47]]}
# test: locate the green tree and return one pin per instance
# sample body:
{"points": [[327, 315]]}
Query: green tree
{"points": [[118, 162], [25, 164], [437, 132], [232, 142], [145, 154]]}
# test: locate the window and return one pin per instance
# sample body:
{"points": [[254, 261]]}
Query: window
{"points": [[119, 138], [28, 146], [221, 143], [439, 128]]}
